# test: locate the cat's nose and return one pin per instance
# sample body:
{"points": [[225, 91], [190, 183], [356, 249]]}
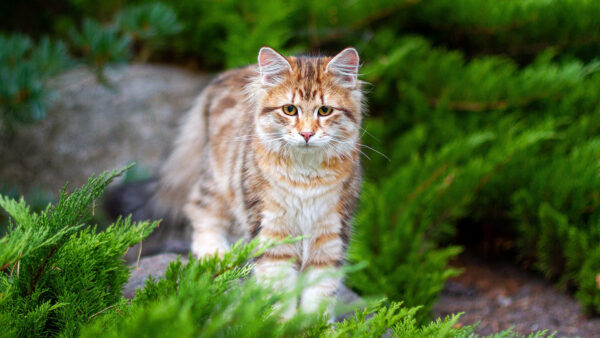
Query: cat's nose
{"points": [[306, 135]]}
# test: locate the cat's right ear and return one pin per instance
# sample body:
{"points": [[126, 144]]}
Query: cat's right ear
{"points": [[272, 66]]}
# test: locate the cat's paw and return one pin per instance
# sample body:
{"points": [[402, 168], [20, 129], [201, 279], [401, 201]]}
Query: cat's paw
{"points": [[316, 303], [202, 249], [286, 310]]}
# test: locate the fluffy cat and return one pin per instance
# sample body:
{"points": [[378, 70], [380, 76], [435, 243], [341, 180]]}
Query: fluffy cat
{"points": [[271, 151]]}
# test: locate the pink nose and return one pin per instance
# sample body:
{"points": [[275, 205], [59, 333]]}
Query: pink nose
{"points": [[306, 135]]}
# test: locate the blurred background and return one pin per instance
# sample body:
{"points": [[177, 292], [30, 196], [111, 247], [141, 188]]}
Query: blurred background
{"points": [[481, 193]]}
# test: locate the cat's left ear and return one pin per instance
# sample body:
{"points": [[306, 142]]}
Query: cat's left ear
{"points": [[272, 66], [345, 66]]}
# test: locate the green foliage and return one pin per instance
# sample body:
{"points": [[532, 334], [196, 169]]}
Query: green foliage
{"points": [[207, 297], [228, 33], [37, 199], [56, 272], [218, 32], [402, 322], [418, 204], [588, 280], [148, 26], [100, 45], [483, 143], [518, 28], [23, 69], [402, 263], [140, 29]]}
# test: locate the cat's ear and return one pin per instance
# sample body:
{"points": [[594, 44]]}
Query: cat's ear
{"points": [[345, 66], [272, 66]]}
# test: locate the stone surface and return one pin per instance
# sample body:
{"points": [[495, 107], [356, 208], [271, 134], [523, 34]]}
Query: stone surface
{"points": [[154, 266], [92, 128]]}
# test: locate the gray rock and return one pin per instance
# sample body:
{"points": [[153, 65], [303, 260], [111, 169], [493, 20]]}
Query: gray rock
{"points": [[92, 128], [154, 266]]}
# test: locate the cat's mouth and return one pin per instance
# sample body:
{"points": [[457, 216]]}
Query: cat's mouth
{"points": [[310, 146], [301, 144]]}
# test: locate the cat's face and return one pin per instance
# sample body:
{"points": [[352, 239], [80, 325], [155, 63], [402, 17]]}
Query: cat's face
{"points": [[310, 104]]}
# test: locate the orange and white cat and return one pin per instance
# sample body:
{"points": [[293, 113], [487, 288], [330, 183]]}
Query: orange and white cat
{"points": [[271, 151]]}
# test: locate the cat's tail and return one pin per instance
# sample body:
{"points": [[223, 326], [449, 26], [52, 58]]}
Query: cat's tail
{"points": [[163, 196], [133, 198]]}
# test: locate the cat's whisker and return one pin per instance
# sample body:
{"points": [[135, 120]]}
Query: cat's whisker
{"points": [[246, 138], [348, 143], [363, 153], [376, 151], [361, 145], [366, 132], [254, 136], [335, 139]]}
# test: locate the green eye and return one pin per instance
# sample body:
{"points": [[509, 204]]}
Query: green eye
{"points": [[290, 110], [325, 110]]}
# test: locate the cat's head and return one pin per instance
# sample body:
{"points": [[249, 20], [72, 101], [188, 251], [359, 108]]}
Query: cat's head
{"points": [[309, 104]]}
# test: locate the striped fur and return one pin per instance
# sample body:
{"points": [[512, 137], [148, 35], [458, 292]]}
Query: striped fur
{"points": [[245, 171]]}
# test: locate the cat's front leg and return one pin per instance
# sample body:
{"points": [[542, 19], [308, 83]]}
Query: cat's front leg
{"points": [[323, 273], [277, 268], [282, 277], [210, 222], [320, 294]]}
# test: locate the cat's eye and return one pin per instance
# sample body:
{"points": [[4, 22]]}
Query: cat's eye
{"points": [[290, 110], [325, 110]]}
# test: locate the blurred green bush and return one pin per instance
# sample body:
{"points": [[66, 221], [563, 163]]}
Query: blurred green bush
{"points": [[23, 69], [26, 67], [487, 111], [485, 146]]}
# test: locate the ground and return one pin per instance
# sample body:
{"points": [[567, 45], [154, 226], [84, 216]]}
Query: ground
{"points": [[499, 295]]}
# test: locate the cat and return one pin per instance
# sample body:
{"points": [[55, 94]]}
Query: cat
{"points": [[270, 151]]}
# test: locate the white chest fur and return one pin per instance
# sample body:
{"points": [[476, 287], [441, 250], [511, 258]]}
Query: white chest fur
{"points": [[306, 212]]}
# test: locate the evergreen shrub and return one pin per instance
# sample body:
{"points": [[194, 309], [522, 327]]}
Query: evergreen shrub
{"points": [[57, 271], [495, 145], [207, 297]]}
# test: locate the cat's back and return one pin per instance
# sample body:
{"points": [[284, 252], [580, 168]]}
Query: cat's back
{"points": [[228, 89], [229, 117], [226, 105]]}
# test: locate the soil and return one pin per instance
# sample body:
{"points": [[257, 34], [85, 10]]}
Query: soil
{"points": [[499, 296]]}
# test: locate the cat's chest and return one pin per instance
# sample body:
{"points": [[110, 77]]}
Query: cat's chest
{"points": [[305, 210]]}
